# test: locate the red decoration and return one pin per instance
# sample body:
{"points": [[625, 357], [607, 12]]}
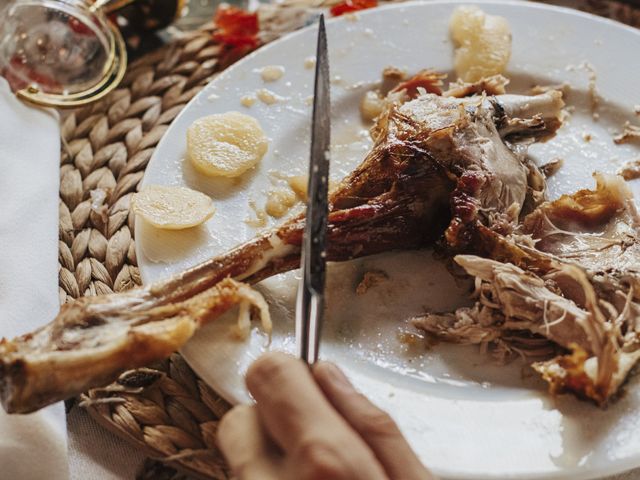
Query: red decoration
{"points": [[349, 6], [17, 81], [79, 27], [236, 27], [429, 80]]}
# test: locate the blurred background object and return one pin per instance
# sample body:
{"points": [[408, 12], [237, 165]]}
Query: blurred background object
{"points": [[59, 52], [66, 53]]}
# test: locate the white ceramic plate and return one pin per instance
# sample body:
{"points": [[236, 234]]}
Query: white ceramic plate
{"points": [[465, 416]]}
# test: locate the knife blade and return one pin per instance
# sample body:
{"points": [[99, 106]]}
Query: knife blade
{"points": [[310, 299]]}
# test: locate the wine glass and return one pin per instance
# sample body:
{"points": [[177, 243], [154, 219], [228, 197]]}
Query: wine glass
{"points": [[61, 53]]}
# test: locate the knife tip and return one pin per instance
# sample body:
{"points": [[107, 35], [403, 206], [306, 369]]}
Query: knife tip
{"points": [[322, 35]]}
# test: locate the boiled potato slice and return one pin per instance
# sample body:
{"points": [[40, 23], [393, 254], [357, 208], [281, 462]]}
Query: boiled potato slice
{"points": [[483, 43], [172, 208], [226, 144]]}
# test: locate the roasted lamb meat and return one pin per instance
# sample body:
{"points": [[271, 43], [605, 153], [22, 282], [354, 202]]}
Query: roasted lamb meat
{"points": [[439, 164]]}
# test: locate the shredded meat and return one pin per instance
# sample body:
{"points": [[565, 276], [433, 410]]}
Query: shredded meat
{"points": [[570, 274], [630, 133], [565, 88], [551, 168], [494, 85], [630, 170], [371, 279]]}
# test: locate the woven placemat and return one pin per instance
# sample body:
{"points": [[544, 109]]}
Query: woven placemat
{"points": [[164, 410]]}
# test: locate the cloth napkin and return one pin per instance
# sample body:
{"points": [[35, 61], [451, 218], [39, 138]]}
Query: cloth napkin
{"points": [[35, 446], [31, 446]]}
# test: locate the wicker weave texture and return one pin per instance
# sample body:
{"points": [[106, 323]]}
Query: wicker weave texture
{"points": [[166, 411]]}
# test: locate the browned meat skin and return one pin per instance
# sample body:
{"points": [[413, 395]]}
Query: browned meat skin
{"points": [[494, 85], [52, 363], [398, 198], [428, 80]]}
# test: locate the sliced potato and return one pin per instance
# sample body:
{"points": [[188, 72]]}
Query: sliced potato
{"points": [[226, 144], [172, 208], [483, 43]]}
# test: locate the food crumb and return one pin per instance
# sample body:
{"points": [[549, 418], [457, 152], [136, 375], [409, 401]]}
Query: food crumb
{"points": [[248, 101], [309, 62], [587, 137], [391, 77], [279, 202], [371, 106], [213, 97], [371, 279], [261, 217], [272, 73], [298, 184], [594, 97], [551, 168], [413, 340], [636, 109], [630, 170], [351, 17], [630, 133], [356, 86], [267, 96], [565, 88], [410, 338]]}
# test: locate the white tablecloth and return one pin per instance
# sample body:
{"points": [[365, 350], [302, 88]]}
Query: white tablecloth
{"points": [[31, 446], [95, 453]]}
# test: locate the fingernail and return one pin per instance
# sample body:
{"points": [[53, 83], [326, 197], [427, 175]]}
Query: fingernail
{"points": [[337, 377]]}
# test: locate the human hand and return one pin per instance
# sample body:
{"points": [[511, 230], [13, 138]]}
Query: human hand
{"points": [[312, 425]]}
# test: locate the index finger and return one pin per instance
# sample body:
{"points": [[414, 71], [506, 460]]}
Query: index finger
{"points": [[304, 424], [289, 399]]}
